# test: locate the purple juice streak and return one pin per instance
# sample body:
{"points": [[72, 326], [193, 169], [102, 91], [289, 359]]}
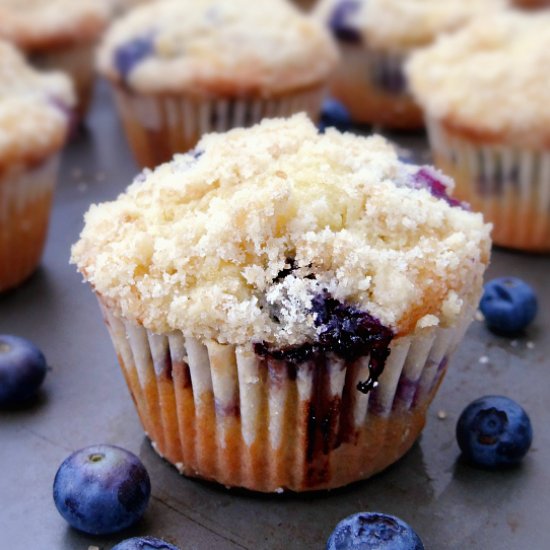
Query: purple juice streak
{"points": [[426, 178], [345, 331]]}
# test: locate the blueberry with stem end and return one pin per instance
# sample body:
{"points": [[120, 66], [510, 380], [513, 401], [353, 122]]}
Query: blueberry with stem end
{"points": [[22, 370], [509, 305], [101, 489], [144, 543], [373, 531], [494, 432]]}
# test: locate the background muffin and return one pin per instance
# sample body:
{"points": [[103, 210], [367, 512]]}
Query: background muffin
{"points": [[253, 293], [489, 123], [57, 34], [34, 121], [375, 38], [182, 68]]}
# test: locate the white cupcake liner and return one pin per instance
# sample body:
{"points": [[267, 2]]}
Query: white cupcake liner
{"points": [[76, 61], [160, 126], [509, 185], [25, 204], [221, 412], [372, 84]]}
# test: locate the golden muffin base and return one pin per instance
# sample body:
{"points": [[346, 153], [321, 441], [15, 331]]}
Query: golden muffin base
{"points": [[510, 186], [222, 413], [25, 204], [159, 126]]}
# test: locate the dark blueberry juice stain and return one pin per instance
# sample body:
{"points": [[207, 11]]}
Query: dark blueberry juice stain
{"points": [[130, 54], [345, 331], [427, 179], [339, 22]]}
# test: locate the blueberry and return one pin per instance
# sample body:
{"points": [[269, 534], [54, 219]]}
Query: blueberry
{"points": [[339, 21], [373, 531], [22, 370], [494, 431], [508, 304], [129, 54], [428, 178], [101, 489], [333, 113], [144, 543]]}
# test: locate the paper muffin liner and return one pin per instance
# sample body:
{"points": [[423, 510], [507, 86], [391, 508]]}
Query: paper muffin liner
{"points": [[25, 204], [509, 185], [371, 83], [78, 62], [223, 413], [158, 126]]}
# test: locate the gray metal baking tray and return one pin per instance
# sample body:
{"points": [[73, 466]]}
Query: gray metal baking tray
{"points": [[84, 401]]}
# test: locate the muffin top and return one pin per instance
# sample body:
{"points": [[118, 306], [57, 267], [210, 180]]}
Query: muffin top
{"points": [[241, 239], [34, 109], [488, 81], [401, 24], [222, 47], [37, 24]]}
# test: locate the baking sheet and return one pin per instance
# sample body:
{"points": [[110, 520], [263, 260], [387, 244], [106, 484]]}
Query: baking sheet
{"points": [[85, 401]]}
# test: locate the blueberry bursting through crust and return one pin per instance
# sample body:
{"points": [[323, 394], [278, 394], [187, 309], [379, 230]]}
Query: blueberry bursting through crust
{"points": [[345, 331]]}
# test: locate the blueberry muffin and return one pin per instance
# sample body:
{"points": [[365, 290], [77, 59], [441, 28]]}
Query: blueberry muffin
{"points": [[182, 68], [375, 39], [486, 102], [34, 121], [57, 34], [284, 303]]}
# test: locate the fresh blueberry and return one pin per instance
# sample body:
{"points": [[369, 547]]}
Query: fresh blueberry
{"points": [[22, 370], [340, 24], [494, 431], [508, 304], [144, 543], [333, 113], [101, 489], [372, 531], [129, 54]]}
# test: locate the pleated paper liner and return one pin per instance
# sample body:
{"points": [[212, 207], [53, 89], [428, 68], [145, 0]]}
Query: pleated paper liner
{"points": [[372, 85], [158, 126], [223, 413], [25, 204], [509, 185]]}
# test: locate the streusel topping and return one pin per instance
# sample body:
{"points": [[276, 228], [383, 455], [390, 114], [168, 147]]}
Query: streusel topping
{"points": [[36, 24], [489, 80], [225, 47], [403, 24], [34, 117], [238, 239]]}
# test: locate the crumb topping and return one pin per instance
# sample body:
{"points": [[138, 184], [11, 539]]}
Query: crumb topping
{"points": [[489, 80], [34, 109], [35, 24], [238, 242], [405, 24], [228, 47]]}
